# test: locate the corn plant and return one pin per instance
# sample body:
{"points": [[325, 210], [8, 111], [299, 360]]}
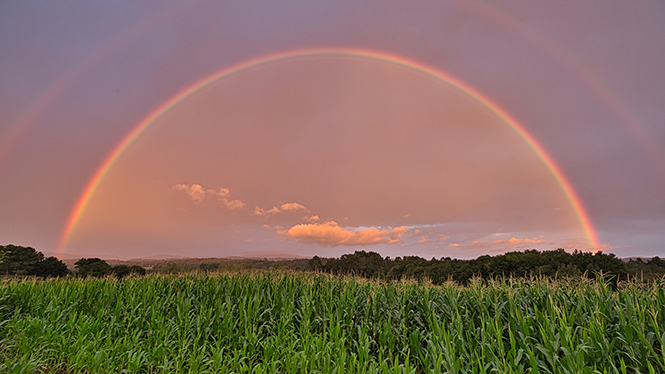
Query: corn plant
{"points": [[281, 322]]}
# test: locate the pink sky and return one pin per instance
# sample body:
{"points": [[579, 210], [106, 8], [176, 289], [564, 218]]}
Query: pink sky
{"points": [[328, 154]]}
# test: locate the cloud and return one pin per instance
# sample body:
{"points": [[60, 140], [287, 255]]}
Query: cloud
{"points": [[286, 207], [234, 204], [197, 193], [223, 192], [291, 207], [331, 234], [313, 218], [397, 232], [262, 212]]}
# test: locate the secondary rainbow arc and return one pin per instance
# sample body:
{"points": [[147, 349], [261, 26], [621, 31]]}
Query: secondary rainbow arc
{"points": [[545, 158]]}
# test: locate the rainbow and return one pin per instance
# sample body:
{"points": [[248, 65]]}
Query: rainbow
{"points": [[547, 160]]}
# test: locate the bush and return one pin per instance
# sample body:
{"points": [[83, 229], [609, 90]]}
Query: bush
{"points": [[92, 267]]}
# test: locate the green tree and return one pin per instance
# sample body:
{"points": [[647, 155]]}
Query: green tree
{"points": [[138, 270], [315, 264], [50, 267], [19, 260], [92, 267], [568, 270], [4, 258], [122, 271], [174, 268]]}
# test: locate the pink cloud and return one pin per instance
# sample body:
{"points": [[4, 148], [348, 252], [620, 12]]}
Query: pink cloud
{"points": [[197, 193], [286, 207], [262, 212], [397, 232], [223, 192], [330, 234], [234, 204], [291, 207]]}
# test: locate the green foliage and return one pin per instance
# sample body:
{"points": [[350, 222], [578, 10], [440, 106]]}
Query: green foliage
{"points": [[175, 268], [121, 271], [92, 267], [51, 267], [136, 269], [18, 260], [315, 264], [531, 263], [365, 264], [315, 323], [646, 270]]}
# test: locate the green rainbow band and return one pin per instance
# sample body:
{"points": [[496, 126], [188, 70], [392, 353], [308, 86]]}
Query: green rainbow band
{"points": [[547, 160]]}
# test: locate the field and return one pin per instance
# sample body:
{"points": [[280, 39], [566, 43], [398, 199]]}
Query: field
{"points": [[308, 323]]}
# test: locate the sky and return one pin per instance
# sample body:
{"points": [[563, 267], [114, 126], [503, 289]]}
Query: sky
{"points": [[300, 128]]}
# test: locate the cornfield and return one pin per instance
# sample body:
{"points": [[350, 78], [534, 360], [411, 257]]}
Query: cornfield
{"points": [[281, 322]]}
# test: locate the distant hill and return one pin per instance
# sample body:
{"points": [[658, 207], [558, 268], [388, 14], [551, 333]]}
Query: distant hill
{"points": [[239, 263], [636, 258], [270, 255], [160, 257], [257, 259]]}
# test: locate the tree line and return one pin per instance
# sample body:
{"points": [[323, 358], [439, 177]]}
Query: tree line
{"points": [[530, 263], [18, 260], [26, 261]]}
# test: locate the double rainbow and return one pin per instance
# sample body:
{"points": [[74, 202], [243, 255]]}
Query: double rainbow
{"points": [[108, 163]]}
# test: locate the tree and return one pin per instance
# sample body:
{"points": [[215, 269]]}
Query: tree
{"points": [[92, 267], [4, 258], [138, 270], [18, 260], [50, 267], [315, 264], [568, 271], [122, 271]]}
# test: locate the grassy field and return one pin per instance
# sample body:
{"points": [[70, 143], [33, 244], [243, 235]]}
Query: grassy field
{"points": [[280, 322]]}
